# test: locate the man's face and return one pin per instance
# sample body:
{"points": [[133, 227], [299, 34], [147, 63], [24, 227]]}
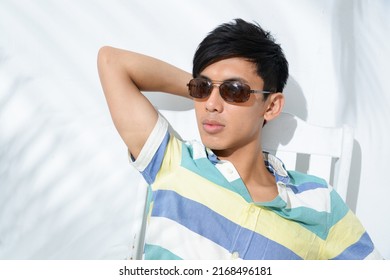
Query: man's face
{"points": [[225, 127]]}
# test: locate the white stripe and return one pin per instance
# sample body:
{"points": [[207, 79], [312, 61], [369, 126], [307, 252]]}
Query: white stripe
{"points": [[198, 150], [375, 255], [317, 199], [183, 242], [228, 170], [151, 145], [276, 164]]}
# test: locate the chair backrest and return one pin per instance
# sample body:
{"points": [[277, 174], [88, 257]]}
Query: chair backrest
{"points": [[325, 152]]}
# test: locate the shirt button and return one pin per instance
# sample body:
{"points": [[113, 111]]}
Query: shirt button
{"points": [[235, 255], [230, 171]]}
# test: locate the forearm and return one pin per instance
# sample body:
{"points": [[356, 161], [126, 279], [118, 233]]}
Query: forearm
{"points": [[146, 73], [123, 75]]}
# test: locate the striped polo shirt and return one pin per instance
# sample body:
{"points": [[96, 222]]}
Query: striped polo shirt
{"points": [[199, 208]]}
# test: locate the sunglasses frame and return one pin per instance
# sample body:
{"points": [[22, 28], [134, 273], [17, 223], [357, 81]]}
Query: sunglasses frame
{"points": [[241, 95]]}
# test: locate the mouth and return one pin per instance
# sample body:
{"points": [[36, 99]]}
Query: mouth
{"points": [[212, 126]]}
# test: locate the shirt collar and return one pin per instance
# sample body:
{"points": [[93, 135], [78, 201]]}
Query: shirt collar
{"points": [[276, 167], [273, 164], [212, 157]]}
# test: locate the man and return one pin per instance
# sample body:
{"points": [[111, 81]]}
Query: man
{"points": [[224, 198]]}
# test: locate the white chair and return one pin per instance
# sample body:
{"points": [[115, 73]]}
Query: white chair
{"points": [[321, 151]]}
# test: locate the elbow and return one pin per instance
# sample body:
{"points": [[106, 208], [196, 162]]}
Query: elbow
{"points": [[104, 55]]}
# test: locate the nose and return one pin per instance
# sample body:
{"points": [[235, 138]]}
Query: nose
{"points": [[214, 102]]}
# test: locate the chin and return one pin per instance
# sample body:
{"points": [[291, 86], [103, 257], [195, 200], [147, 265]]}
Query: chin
{"points": [[212, 142]]}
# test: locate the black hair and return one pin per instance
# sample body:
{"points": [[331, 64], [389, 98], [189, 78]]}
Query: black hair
{"points": [[249, 41]]}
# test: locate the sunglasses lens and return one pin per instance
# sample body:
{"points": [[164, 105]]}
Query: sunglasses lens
{"points": [[199, 88], [234, 92], [231, 91]]}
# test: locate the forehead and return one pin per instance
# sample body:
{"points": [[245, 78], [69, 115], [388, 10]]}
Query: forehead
{"points": [[236, 68]]}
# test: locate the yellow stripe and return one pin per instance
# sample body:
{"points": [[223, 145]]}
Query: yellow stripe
{"points": [[297, 238], [341, 235], [203, 191], [288, 233], [172, 177], [149, 214]]}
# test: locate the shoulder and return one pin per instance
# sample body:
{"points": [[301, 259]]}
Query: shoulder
{"points": [[318, 194], [306, 191], [298, 182]]}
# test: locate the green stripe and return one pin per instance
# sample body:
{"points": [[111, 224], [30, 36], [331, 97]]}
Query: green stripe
{"points": [[155, 252], [338, 208], [315, 221], [207, 170], [277, 203], [239, 187], [298, 178], [149, 198]]}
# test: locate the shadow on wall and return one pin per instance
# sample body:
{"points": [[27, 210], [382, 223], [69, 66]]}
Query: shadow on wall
{"points": [[351, 50], [65, 187], [354, 181], [296, 105], [295, 100], [169, 102]]}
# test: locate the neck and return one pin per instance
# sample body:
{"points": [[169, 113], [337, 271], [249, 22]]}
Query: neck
{"points": [[250, 165]]}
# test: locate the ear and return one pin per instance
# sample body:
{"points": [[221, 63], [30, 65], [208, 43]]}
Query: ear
{"points": [[274, 105]]}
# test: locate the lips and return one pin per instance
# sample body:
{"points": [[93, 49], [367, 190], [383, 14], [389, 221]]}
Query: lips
{"points": [[212, 126]]}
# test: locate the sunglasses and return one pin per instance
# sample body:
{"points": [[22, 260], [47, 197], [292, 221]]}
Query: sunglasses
{"points": [[230, 91]]}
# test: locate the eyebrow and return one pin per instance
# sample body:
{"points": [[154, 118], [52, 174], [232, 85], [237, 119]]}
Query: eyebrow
{"points": [[240, 79]]}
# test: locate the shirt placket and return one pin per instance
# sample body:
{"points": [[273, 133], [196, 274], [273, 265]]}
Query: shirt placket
{"points": [[241, 239], [245, 232]]}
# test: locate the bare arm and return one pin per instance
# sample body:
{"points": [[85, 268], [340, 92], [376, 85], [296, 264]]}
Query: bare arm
{"points": [[123, 75]]}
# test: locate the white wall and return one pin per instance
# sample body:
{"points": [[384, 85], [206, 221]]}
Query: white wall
{"points": [[65, 185]]}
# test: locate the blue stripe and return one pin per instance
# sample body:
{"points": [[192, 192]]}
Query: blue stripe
{"points": [[204, 221], [306, 187], [153, 167], [300, 179], [194, 216], [265, 249], [357, 251]]}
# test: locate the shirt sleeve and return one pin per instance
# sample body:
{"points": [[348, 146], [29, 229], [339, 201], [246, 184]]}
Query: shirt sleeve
{"points": [[151, 156]]}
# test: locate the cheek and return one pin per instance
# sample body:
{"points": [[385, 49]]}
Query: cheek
{"points": [[251, 130], [199, 109], [248, 126], [246, 117], [199, 113]]}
